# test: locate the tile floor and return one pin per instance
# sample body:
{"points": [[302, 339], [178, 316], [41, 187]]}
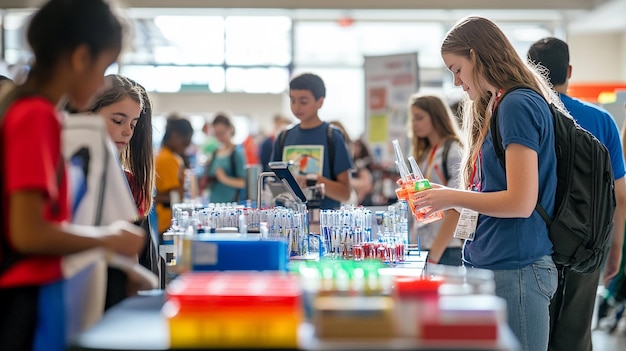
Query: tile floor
{"points": [[605, 340]]}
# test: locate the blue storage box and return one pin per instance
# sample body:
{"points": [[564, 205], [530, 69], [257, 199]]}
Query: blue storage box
{"points": [[218, 254]]}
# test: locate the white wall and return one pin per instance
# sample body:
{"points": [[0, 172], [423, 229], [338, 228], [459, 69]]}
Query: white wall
{"points": [[598, 57], [623, 54]]}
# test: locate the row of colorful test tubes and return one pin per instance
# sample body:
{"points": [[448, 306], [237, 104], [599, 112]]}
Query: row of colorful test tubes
{"points": [[347, 233], [342, 229], [282, 223]]}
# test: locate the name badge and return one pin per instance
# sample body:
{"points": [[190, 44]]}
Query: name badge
{"points": [[466, 227]]}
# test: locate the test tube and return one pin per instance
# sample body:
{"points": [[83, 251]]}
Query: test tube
{"points": [[397, 150], [403, 174], [417, 174], [243, 226]]}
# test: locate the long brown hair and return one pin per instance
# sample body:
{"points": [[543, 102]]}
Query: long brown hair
{"points": [[441, 119], [495, 62], [137, 158]]}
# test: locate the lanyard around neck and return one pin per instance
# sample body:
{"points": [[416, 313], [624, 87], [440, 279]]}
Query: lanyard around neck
{"points": [[431, 162], [477, 171]]}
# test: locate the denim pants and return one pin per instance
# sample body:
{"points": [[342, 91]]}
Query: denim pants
{"points": [[527, 292]]}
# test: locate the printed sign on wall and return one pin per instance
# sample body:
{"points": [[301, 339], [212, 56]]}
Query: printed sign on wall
{"points": [[389, 82]]}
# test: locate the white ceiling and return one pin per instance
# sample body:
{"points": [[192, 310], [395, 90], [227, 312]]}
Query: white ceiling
{"points": [[607, 17], [344, 4], [579, 15]]}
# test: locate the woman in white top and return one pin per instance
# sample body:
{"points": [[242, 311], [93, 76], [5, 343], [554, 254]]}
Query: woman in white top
{"points": [[437, 148]]}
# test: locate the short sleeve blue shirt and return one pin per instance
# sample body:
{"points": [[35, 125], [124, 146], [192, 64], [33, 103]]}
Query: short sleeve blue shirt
{"points": [[308, 149], [598, 122], [512, 243]]}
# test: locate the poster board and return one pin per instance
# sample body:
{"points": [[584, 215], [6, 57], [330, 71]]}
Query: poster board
{"points": [[389, 82]]}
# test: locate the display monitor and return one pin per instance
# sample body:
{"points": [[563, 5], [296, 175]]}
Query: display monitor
{"points": [[281, 169]]}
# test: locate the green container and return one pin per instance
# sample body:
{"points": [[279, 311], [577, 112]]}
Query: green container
{"points": [[422, 184]]}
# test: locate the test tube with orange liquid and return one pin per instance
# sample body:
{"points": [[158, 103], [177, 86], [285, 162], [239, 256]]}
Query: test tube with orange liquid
{"points": [[413, 183], [420, 184], [402, 192]]}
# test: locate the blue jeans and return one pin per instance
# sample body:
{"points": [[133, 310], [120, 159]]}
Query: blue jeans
{"points": [[527, 292]]}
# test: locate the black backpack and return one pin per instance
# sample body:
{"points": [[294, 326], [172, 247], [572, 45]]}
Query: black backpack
{"points": [[585, 194]]}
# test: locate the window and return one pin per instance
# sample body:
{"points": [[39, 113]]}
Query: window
{"points": [[256, 41], [257, 80], [214, 53], [14, 45], [328, 43], [178, 40], [171, 79], [345, 99]]}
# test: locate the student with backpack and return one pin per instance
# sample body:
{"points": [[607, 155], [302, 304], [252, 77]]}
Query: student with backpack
{"points": [[318, 150], [503, 231], [436, 146], [73, 42], [572, 307], [224, 175]]}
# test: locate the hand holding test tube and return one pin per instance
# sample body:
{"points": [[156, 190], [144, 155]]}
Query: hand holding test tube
{"points": [[410, 183]]}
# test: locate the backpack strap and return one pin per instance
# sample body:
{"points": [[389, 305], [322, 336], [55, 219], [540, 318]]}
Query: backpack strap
{"points": [[331, 148], [499, 149], [207, 168], [495, 131], [444, 159], [233, 161], [233, 167], [281, 141]]}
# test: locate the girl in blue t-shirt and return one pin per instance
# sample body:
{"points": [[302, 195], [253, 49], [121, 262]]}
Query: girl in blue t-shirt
{"points": [[506, 234]]}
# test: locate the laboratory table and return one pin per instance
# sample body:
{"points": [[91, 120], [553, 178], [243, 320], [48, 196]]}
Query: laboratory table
{"points": [[137, 324]]}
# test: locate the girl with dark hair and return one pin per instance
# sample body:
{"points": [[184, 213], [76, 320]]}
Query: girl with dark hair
{"points": [[73, 42], [170, 167]]}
